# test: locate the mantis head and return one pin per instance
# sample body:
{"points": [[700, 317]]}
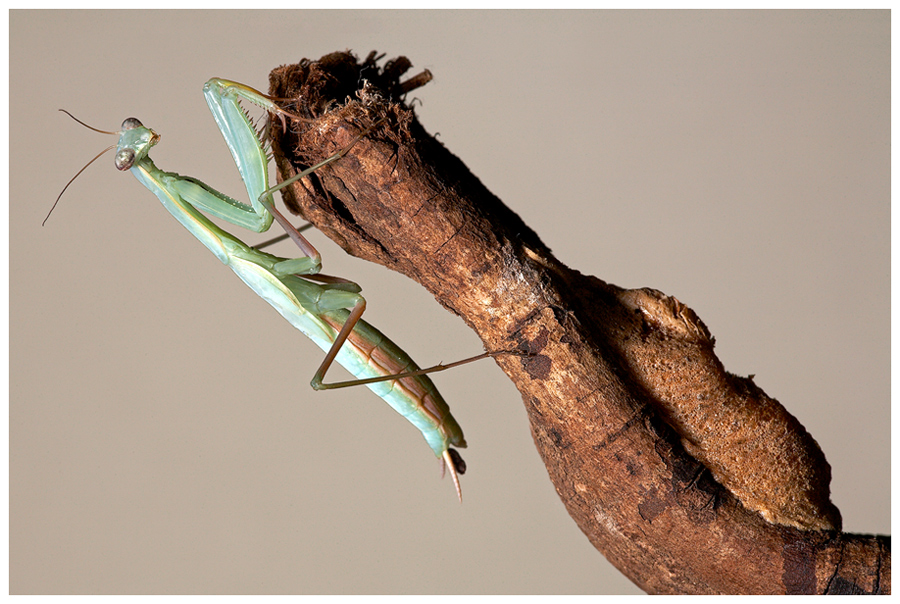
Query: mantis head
{"points": [[135, 141]]}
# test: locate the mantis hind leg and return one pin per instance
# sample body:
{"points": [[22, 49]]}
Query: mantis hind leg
{"points": [[349, 324]]}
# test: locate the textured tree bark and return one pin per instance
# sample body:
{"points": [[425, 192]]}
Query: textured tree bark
{"points": [[687, 478]]}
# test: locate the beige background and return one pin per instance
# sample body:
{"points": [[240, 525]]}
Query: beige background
{"points": [[162, 434]]}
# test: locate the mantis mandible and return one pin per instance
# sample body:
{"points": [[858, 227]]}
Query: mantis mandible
{"points": [[326, 309]]}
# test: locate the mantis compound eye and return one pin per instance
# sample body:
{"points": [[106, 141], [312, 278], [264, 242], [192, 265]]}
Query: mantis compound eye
{"points": [[125, 158], [131, 123]]}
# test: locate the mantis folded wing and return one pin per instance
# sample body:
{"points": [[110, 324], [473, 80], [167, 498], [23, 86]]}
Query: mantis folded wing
{"points": [[327, 310]]}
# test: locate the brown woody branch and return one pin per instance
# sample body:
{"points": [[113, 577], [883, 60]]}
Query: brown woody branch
{"points": [[687, 478]]}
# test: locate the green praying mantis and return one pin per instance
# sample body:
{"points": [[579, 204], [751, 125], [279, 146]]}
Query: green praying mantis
{"points": [[326, 309]]}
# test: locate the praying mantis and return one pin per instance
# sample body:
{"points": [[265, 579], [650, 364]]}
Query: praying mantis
{"points": [[326, 309]]}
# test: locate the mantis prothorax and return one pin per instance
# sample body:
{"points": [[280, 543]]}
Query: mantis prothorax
{"points": [[325, 309]]}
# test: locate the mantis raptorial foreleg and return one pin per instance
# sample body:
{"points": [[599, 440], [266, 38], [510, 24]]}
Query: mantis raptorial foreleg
{"points": [[326, 309]]}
